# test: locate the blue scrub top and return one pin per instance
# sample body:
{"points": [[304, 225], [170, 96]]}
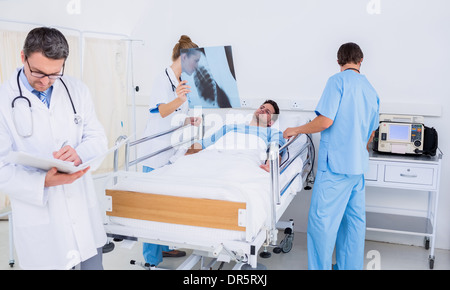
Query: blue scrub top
{"points": [[353, 105]]}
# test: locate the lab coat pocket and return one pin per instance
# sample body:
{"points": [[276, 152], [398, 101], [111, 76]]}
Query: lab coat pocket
{"points": [[26, 215], [323, 156]]}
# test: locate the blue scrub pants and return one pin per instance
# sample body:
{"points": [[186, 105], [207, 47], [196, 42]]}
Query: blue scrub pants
{"points": [[337, 217], [152, 252]]}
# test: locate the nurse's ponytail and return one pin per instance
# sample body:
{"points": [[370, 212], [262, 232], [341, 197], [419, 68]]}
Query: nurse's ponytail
{"points": [[185, 42]]}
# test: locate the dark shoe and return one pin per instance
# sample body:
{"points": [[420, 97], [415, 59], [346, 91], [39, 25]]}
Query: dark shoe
{"points": [[174, 254]]}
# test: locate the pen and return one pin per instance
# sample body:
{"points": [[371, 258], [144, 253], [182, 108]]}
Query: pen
{"points": [[64, 144]]}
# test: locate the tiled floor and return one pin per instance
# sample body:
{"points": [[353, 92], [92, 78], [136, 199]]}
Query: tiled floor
{"points": [[382, 256]]}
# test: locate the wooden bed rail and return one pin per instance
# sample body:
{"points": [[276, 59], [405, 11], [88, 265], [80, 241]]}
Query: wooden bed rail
{"points": [[199, 212]]}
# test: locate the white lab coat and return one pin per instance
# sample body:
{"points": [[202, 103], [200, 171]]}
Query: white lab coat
{"points": [[162, 93], [55, 227]]}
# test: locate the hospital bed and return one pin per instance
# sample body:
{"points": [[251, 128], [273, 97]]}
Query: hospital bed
{"points": [[225, 217]]}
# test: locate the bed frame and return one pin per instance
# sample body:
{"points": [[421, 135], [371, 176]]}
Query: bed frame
{"points": [[208, 213]]}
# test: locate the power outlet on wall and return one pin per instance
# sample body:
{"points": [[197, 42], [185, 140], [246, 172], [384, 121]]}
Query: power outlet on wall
{"points": [[295, 105], [244, 103]]}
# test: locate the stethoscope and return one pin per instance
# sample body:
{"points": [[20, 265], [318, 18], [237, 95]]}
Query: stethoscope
{"points": [[170, 80], [77, 118], [173, 87], [350, 68]]}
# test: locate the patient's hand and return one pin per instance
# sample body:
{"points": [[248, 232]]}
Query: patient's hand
{"points": [[265, 166], [195, 148], [194, 121]]}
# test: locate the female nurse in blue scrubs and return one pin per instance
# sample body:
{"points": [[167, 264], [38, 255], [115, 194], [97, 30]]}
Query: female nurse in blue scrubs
{"points": [[347, 116], [168, 101]]}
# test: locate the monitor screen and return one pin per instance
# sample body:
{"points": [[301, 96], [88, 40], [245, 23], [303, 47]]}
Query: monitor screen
{"points": [[399, 132]]}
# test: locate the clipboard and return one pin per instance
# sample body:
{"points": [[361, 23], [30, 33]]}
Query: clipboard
{"points": [[43, 163], [25, 159]]}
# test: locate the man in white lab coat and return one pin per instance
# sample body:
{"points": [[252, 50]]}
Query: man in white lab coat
{"points": [[57, 221]]}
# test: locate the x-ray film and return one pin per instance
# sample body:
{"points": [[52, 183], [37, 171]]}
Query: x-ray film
{"points": [[209, 71]]}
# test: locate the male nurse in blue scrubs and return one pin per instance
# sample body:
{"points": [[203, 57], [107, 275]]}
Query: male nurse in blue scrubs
{"points": [[347, 116]]}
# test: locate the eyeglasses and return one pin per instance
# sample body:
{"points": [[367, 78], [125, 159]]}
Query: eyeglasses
{"points": [[266, 110], [40, 75]]}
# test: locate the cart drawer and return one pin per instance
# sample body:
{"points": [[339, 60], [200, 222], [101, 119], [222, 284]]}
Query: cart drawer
{"points": [[409, 174]]}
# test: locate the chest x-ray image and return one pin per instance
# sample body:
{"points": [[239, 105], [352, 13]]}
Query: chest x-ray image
{"points": [[209, 72]]}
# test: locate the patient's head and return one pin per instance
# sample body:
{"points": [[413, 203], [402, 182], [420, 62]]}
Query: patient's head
{"points": [[267, 113]]}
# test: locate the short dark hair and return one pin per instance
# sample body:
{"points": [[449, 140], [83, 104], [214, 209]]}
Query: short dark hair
{"points": [[48, 41], [349, 53], [275, 106]]}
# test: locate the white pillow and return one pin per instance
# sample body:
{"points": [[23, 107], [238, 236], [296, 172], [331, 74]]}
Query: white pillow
{"points": [[289, 119], [285, 120]]}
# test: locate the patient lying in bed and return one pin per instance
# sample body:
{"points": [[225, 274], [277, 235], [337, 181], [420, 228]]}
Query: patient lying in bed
{"points": [[250, 139]]}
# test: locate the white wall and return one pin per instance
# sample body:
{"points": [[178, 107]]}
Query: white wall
{"points": [[110, 16], [286, 50]]}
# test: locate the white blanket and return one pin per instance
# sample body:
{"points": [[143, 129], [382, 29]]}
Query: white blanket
{"points": [[231, 175], [226, 175]]}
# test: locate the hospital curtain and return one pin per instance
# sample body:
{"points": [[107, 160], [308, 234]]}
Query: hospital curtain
{"points": [[11, 43], [73, 63], [105, 73]]}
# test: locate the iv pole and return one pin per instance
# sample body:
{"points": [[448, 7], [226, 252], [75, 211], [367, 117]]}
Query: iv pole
{"points": [[135, 88]]}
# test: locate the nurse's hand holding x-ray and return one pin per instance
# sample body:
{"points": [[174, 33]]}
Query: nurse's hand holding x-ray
{"points": [[166, 109], [182, 90]]}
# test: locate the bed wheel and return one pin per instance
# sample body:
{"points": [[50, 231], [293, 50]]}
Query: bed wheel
{"points": [[288, 243], [265, 254], [258, 267], [431, 261], [108, 247], [146, 266]]}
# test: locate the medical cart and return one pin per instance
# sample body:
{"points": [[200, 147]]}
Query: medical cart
{"points": [[414, 173]]}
